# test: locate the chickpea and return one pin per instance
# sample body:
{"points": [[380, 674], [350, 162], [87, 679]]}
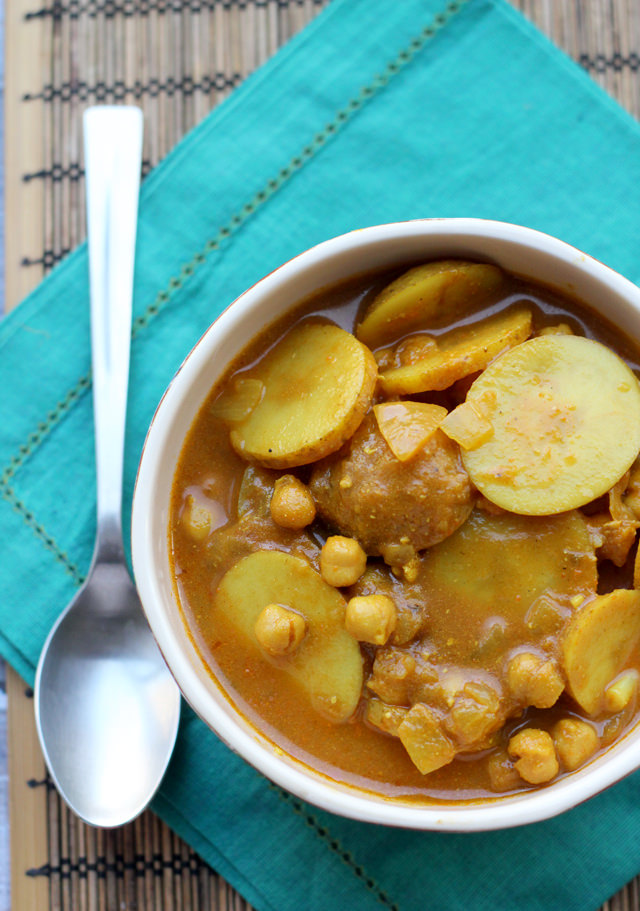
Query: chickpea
{"points": [[502, 772], [196, 519], [342, 561], [619, 694], [279, 631], [575, 742], [534, 754], [534, 680], [371, 618], [292, 505]]}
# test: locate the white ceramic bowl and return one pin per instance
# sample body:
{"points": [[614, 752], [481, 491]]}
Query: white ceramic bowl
{"points": [[517, 249]]}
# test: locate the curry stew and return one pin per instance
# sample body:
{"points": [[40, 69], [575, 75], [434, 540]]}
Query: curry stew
{"points": [[403, 533]]}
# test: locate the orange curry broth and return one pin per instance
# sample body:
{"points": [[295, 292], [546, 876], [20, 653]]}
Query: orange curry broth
{"points": [[210, 471]]}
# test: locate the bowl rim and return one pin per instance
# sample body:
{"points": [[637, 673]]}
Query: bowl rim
{"points": [[229, 723]]}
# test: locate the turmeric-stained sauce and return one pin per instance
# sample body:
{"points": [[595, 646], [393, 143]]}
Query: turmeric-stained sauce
{"points": [[403, 532]]}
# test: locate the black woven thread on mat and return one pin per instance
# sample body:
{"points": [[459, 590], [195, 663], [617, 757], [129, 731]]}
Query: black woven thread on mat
{"points": [[48, 259], [111, 8], [40, 783], [118, 91], [140, 865], [73, 172], [600, 64]]}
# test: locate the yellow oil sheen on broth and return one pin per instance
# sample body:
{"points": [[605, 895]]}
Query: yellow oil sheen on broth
{"points": [[395, 573]]}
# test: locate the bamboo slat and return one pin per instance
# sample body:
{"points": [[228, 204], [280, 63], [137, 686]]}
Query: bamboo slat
{"points": [[28, 816]]}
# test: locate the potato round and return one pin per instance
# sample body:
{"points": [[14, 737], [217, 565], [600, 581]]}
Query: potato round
{"points": [[318, 384], [425, 296], [327, 665], [459, 353], [509, 565], [566, 425], [599, 643]]}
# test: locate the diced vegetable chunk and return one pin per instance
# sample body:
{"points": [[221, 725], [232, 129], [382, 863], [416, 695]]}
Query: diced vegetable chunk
{"points": [[256, 491], [624, 688], [237, 402], [459, 353], [424, 740], [616, 537], [631, 496], [384, 716], [599, 642], [467, 426], [475, 714], [406, 426], [327, 665], [318, 383], [566, 425], [557, 329], [196, 519], [424, 296]]}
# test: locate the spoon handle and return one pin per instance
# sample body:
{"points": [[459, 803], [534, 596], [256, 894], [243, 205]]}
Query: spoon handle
{"points": [[113, 157]]}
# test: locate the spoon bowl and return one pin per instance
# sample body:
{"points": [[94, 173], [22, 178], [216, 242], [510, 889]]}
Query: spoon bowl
{"points": [[107, 707], [106, 703]]}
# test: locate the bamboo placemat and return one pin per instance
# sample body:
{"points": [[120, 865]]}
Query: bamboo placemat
{"points": [[176, 59]]}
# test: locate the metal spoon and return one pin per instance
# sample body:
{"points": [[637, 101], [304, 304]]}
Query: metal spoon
{"points": [[106, 706]]}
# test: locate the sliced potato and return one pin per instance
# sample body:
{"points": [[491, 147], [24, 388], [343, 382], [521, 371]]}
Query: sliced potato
{"points": [[318, 383], [459, 353], [424, 296], [503, 564], [566, 425], [599, 642], [406, 426], [327, 665]]}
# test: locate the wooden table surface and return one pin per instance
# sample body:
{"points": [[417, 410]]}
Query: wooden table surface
{"points": [[157, 55]]}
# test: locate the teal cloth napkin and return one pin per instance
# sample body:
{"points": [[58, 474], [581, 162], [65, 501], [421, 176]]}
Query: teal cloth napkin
{"points": [[378, 111]]}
